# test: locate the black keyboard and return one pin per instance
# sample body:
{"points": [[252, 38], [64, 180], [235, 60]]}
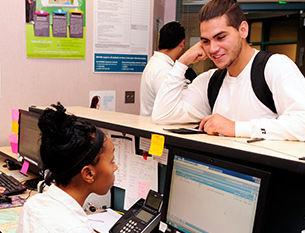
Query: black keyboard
{"points": [[11, 185]]}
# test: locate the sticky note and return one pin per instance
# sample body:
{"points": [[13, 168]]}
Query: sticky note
{"points": [[14, 142], [143, 189], [156, 144], [14, 147], [25, 167], [13, 138], [15, 115], [15, 127]]}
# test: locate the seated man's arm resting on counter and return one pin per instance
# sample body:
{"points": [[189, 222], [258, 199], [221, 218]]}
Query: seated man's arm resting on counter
{"points": [[174, 104]]}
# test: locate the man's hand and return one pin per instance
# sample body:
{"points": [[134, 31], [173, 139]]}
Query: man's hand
{"points": [[218, 124], [193, 54]]}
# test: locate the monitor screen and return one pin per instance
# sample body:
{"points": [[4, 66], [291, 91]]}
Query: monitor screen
{"points": [[29, 140], [203, 194]]}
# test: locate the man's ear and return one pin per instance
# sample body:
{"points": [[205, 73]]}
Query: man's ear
{"points": [[182, 44], [88, 174], [244, 29]]}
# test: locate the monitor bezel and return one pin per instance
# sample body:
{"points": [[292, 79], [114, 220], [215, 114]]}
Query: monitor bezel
{"points": [[261, 208], [35, 165]]}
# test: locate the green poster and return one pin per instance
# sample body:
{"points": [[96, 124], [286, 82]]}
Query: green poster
{"points": [[56, 29]]}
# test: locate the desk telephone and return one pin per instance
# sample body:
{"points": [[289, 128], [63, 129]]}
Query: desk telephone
{"points": [[142, 217]]}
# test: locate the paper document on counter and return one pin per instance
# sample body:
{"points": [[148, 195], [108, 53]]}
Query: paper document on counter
{"points": [[102, 222]]}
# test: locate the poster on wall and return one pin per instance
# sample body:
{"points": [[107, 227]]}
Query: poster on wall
{"points": [[56, 29], [121, 35], [104, 100]]}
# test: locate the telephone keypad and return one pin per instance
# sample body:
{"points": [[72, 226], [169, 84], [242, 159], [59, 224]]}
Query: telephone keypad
{"points": [[130, 226]]}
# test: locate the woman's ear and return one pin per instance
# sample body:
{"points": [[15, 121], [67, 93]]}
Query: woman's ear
{"points": [[88, 174]]}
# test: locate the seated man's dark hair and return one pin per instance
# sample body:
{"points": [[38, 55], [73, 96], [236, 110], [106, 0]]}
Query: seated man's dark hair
{"points": [[171, 35], [218, 8]]}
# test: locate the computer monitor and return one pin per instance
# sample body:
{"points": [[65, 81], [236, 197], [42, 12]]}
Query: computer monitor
{"points": [[29, 141], [204, 194]]}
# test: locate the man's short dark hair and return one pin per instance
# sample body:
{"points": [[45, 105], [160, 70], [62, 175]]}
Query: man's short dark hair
{"points": [[171, 35], [218, 8]]}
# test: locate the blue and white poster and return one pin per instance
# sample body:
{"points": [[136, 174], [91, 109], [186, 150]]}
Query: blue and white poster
{"points": [[121, 35]]}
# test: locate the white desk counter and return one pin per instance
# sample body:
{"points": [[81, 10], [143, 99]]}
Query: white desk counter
{"points": [[281, 154], [286, 202]]}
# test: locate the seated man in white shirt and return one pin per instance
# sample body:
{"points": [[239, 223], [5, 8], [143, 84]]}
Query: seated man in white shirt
{"points": [[171, 47], [237, 111]]}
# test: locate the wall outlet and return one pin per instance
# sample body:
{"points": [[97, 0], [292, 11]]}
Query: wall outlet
{"points": [[129, 97]]}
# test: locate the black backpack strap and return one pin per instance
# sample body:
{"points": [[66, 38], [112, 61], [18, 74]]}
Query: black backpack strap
{"points": [[214, 85], [258, 81]]}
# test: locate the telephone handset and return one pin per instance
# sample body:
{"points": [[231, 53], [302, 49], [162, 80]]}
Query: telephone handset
{"points": [[142, 217]]}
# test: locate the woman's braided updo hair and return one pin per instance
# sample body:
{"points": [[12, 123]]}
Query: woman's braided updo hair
{"points": [[65, 140]]}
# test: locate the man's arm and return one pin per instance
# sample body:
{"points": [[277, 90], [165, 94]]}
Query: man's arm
{"points": [[174, 103], [287, 85]]}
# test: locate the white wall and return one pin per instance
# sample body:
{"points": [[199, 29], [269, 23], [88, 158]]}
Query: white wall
{"points": [[170, 11]]}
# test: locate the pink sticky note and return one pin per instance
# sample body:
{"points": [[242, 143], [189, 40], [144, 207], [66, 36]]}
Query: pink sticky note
{"points": [[14, 147], [25, 167], [14, 142], [13, 138], [15, 115], [143, 189]]}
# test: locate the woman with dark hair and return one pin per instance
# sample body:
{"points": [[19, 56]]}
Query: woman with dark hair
{"points": [[95, 102], [80, 157]]}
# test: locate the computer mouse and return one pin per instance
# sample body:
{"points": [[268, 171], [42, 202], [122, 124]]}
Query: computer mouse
{"points": [[5, 199]]}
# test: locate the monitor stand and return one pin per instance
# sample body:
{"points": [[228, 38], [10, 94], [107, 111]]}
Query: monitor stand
{"points": [[32, 183]]}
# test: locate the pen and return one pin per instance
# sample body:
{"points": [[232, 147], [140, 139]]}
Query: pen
{"points": [[255, 140]]}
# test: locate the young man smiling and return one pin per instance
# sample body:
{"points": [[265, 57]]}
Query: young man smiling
{"points": [[237, 111]]}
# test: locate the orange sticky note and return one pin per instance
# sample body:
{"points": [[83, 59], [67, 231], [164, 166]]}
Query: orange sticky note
{"points": [[156, 145], [15, 127]]}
